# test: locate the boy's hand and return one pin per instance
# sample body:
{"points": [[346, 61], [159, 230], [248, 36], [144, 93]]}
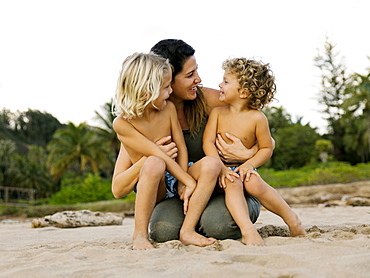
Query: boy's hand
{"points": [[226, 174], [245, 172], [185, 192]]}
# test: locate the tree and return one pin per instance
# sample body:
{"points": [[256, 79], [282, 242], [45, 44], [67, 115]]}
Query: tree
{"points": [[294, 146], [333, 82], [357, 117], [7, 150], [277, 117], [30, 171], [324, 148], [76, 146], [35, 127], [106, 128]]}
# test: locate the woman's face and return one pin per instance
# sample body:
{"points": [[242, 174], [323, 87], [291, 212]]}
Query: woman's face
{"points": [[184, 83]]}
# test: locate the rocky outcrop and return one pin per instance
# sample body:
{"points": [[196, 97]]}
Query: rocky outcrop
{"points": [[350, 194], [74, 219]]}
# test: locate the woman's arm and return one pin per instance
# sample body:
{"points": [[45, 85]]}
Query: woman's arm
{"points": [[125, 174]]}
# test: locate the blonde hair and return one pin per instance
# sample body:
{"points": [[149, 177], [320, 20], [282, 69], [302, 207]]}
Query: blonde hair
{"points": [[139, 83], [256, 77]]}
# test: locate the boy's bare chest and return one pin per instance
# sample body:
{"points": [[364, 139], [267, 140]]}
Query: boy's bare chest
{"points": [[154, 129], [240, 126]]}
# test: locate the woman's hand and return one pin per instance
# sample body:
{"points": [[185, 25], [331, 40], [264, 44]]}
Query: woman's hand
{"points": [[168, 146], [235, 152]]}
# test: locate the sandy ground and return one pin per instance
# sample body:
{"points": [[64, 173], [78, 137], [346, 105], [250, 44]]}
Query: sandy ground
{"points": [[337, 245]]}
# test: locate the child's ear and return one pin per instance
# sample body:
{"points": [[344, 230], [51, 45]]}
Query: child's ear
{"points": [[244, 93]]}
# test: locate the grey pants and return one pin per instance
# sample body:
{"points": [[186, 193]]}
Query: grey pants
{"points": [[215, 221]]}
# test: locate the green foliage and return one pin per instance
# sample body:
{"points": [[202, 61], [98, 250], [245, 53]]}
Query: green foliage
{"points": [[35, 127], [93, 188], [325, 173], [77, 146], [295, 146]]}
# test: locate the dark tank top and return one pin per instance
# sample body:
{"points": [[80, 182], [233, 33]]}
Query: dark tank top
{"points": [[194, 145]]}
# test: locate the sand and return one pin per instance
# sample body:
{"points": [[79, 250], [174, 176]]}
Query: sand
{"points": [[337, 245]]}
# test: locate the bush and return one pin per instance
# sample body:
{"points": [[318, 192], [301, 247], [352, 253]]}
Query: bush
{"points": [[325, 173], [93, 188]]}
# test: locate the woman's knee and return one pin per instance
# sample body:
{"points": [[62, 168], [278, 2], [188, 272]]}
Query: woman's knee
{"points": [[166, 220], [216, 221]]}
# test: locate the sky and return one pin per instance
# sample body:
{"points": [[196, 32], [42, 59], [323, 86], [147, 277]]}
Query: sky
{"points": [[64, 57]]}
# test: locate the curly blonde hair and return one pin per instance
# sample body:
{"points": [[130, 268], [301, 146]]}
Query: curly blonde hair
{"points": [[256, 77], [139, 83]]}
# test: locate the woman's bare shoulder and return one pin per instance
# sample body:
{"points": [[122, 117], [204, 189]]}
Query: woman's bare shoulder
{"points": [[212, 97]]}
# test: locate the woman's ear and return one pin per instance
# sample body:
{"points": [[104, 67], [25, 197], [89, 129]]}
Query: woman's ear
{"points": [[244, 93]]}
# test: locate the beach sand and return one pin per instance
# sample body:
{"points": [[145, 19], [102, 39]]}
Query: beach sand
{"points": [[337, 245]]}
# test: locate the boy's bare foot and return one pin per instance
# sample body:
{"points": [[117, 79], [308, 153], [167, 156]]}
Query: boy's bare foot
{"points": [[141, 241], [253, 238], [297, 230], [190, 237], [296, 227]]}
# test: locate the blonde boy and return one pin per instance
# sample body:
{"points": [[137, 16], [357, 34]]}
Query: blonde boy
{"points": [[143, 117]]}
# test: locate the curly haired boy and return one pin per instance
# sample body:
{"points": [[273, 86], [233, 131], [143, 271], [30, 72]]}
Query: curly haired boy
{"points": [[247, 86]]}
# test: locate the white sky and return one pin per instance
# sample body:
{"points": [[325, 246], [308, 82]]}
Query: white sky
{"points": [[64, 57]]}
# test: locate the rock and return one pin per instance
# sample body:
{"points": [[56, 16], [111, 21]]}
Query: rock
{"points": [[350, 194], [358, 201], [271, 230], [74, 219]]}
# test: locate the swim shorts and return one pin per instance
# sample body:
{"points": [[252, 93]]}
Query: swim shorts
{"points": [[171, 186]]}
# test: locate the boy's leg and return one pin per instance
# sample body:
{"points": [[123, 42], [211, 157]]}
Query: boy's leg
{"points": [[237, 205], [150, 188], [205, 172], [216, 220], [273, 202]]}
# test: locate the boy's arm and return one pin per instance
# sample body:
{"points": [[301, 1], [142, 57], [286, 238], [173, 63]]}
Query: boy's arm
{"points": [[265, 142], [209, 136], [178, 138], [209, 147], [133, 139], [126, 174]]}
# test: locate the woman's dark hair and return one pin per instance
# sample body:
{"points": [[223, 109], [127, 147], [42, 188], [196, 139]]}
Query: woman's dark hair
{"points": [[176, 51]]}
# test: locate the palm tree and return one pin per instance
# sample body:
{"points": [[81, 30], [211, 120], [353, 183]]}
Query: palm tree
{"points": [[30, 171], [106, 128], [76, 146]]}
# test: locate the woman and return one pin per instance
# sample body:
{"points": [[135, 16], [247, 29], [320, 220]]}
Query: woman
{"points": [[211, 220], [193, 105]]}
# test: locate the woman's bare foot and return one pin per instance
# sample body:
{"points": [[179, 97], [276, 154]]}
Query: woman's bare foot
{"points": [[253, 238], [190, 237], [141, 241]]}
